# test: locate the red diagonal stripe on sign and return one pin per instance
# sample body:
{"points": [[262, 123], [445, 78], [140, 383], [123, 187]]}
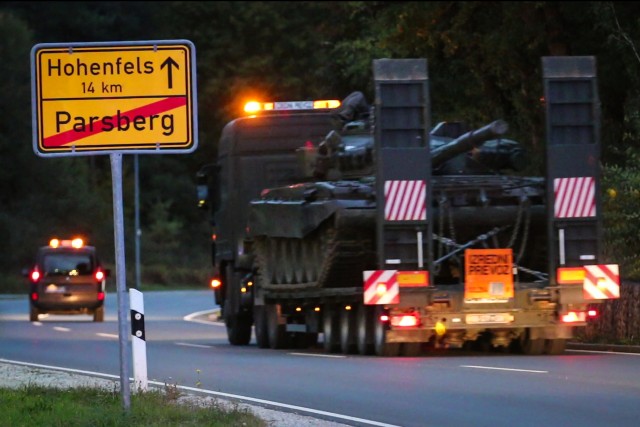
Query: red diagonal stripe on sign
{"points": [[158, 107]]}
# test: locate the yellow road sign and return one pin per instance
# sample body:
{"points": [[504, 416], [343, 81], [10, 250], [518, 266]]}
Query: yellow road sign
{"points": [[136, 97]]}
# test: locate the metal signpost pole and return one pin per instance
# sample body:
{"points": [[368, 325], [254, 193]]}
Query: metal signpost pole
{"points": [[137, 217], [118, 232]]}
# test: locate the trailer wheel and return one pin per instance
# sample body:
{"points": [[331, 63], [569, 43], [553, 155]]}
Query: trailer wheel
{"points": [[555, 346], [383, 348], [531, 346], [331, 330], [260, 326], [347, 331], [276, 332], [411, 349], [364, 321], [304, 340]]}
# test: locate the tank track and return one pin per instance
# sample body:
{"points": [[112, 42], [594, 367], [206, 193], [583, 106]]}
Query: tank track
{"points": [[332, 256]]}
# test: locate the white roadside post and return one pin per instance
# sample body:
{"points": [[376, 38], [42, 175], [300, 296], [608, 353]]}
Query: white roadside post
{"points": [[138, 343]]}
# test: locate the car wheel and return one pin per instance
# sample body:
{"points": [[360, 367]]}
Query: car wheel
{"points": [[98, 314], [33, 314]]}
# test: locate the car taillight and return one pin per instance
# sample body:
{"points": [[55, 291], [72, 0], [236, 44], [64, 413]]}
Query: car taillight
{"points": [[35, 276], [34, 296], [100, 296], [99, 275]]}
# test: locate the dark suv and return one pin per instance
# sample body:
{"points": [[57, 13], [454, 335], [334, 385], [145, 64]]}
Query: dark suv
{"points": [[67, 278]]}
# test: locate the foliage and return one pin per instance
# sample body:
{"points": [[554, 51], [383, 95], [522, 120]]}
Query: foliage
{"points": [[35, 405], [620, 202]]}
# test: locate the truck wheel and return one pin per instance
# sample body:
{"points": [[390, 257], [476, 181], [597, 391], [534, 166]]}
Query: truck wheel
{"points": [[364, 321], [238, 326], [383, 348], [276, 332], [33, 314], [555, 346], [260, 326], [98, 314], [331, 330], [238, 323], [348, 331]]}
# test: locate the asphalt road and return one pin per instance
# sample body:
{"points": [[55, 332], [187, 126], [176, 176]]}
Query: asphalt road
{"points": [[581, 388]]}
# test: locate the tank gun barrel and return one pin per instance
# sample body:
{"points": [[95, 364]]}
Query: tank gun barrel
{"points": [[468, 141]]}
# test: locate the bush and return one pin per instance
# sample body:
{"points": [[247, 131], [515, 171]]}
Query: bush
{"points": [[621, 206]]}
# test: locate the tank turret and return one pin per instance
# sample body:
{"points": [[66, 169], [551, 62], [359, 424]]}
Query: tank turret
{"points": [[348, 154]]}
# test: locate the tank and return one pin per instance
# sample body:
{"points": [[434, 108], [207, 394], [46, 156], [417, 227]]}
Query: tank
{"points": [[320, 232]]}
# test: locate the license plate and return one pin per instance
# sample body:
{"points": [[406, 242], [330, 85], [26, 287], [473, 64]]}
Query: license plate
{"points": [[473, 319], [54, 289]]}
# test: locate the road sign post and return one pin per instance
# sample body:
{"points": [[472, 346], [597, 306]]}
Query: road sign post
{"points": [[114, 98]]}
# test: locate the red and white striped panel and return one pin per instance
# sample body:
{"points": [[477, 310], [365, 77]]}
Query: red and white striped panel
{"points": [[575, 197], [601, 282], [381, 287], [405, 200]]}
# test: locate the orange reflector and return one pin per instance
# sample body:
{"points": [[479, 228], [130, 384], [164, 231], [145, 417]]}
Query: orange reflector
{"points": [[215, 283], [570, 275], [574, 316], [408, 279]]}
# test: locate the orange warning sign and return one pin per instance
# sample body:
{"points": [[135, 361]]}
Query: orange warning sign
{"points": [[408, 279], [488, 275]]}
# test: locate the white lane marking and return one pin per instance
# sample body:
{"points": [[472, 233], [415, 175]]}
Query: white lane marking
{"points": [[214, 393], [335, 356], [620, 353], [192, 317], [61, 329], [284, 405], [504, 369], [102, 334], [36, 323], [186, 344]]}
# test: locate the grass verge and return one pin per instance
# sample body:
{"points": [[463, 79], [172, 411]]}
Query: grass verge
{"points": [[33, 405]]}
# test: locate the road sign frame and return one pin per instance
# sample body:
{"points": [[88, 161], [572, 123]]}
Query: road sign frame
{"points": [[153, 110]]}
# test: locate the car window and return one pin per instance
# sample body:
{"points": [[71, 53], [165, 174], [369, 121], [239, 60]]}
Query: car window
{"points": [[67, 264]]}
